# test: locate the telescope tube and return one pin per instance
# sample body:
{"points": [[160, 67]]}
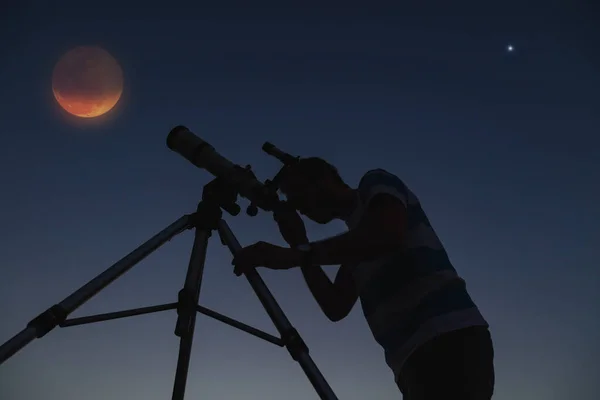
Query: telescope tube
{"points": [[200, 153]]}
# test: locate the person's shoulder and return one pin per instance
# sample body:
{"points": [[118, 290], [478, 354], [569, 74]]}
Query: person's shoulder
{"points": [[378, 176], [378, 171], [379, 181]]}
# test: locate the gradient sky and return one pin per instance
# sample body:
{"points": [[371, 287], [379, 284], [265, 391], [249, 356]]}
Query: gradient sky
{"points": [[501, 148]]}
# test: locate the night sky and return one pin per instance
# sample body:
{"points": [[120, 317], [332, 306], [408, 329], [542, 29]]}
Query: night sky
{"points": [[501, 147]]}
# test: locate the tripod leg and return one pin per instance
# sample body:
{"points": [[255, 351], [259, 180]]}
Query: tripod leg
{"points": [[187, 306], [294, 343], [55, 315]]}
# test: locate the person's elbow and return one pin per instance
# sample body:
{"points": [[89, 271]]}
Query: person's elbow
{"points": [[337, 318], [340, 309], [336, 315]]}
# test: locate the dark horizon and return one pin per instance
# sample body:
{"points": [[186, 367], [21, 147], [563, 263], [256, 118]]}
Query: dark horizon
{"points": [[501, 148]]}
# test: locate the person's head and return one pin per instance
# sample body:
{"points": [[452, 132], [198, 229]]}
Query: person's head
{"points": [[315, 188]]}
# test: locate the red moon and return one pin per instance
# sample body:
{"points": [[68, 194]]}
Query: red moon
{"points": [[87, 81]]}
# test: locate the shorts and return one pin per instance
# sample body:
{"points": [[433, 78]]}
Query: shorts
{"points": [[455, 365]]}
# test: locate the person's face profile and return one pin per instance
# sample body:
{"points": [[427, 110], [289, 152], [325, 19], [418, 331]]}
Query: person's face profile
{"points": [[308, 198]]}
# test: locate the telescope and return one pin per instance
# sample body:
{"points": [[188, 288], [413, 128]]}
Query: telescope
{"points": [[219, 194], [240, 179]]}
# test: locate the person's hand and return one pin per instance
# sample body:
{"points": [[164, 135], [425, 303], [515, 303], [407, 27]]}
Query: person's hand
{"points": [[291, 226], [266, 255]]}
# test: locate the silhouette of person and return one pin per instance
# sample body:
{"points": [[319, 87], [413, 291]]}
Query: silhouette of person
{"points": [[434, 337]]}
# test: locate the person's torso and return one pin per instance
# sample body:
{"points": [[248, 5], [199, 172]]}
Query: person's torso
{"points": [[413, 293]]}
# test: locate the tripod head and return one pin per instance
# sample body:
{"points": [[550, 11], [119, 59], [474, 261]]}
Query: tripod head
{"points": [[231, 179]]}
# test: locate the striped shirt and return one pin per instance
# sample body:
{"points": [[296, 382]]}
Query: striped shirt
{"points": [[412, 294]]}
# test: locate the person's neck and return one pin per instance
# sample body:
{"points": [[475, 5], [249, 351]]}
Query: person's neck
{"points": [[348, 202]]}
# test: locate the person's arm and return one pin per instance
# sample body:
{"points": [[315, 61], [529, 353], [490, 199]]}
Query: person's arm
{"points": [[381, 230], [335, 299]]}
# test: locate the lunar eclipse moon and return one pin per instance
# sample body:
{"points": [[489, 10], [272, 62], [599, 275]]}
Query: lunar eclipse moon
{"points": [[87, 81]]}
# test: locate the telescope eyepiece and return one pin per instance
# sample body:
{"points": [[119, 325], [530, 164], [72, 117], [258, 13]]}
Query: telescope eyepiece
{"points": [[268, 148], [273, 151]]}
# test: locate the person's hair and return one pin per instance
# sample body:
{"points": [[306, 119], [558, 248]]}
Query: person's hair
{"points": [[312, 169]]}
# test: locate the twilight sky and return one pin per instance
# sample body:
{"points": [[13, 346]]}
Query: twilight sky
{"points": [[501, 148]]}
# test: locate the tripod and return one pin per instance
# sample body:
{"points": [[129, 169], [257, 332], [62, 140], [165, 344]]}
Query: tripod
{"points": [[207, 218]]}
